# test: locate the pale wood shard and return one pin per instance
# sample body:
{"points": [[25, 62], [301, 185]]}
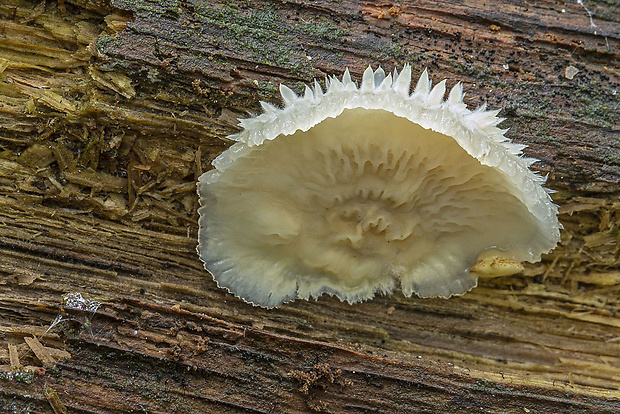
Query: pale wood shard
{"points": [[14, 358], [42, 353], [25, 350], [46, 354], [57, 353], [97, 189]]}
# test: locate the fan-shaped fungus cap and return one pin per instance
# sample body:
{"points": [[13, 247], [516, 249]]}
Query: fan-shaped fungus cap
{"points": [[353, 190]]}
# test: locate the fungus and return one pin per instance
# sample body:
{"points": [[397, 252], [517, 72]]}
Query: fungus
{"points": [[354, 190]]}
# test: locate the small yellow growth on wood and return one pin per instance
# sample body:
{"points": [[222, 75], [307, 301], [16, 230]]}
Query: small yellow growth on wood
{"points": [[492, 264], [54, 400]]}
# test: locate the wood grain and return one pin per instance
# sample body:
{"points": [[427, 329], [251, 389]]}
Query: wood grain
{"points": [[110, 110]]}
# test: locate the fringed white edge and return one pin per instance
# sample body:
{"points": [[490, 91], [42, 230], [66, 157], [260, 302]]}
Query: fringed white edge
{"points": [[475, 131]]}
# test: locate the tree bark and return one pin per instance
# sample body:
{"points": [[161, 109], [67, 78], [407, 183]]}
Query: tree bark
{"points": [[110, 110]]}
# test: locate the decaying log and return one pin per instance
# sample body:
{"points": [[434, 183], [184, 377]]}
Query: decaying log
{"points": [[109, 111]]}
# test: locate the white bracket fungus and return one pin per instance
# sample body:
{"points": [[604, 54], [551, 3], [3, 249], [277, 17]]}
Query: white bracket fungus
{"points": [[354, 190]]}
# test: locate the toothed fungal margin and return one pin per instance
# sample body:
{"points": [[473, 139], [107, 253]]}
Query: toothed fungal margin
{"points": [[356, 189]]}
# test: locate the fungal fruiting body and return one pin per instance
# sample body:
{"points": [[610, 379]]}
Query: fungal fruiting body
{"points": [[356, 190]]}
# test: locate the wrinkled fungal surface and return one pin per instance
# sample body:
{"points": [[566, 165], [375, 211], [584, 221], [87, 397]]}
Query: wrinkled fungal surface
{"points": [[358, 190]]}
